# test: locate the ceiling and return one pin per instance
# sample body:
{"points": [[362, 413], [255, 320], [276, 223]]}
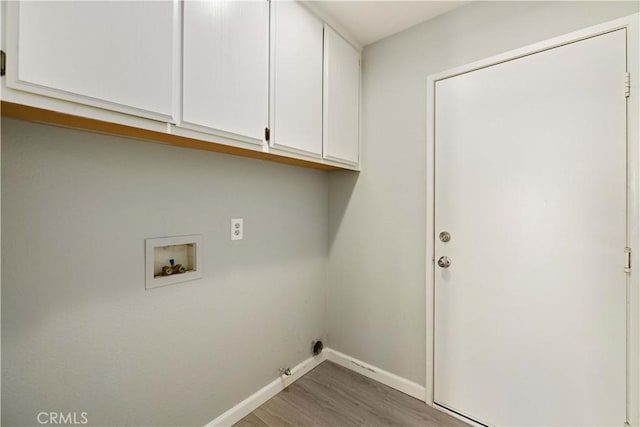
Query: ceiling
{"points": [[369, 21]]}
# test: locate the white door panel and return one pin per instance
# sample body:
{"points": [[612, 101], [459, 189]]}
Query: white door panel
{"points": [[116, 55], [341, 99], [226, 66], [296, 114], [531, 183]]}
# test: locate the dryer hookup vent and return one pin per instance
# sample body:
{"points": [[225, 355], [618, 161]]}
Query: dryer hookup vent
{"points": [[316, 347]]}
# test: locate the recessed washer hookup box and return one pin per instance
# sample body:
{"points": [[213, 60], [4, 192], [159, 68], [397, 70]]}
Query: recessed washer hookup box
{"points": [[171, 260]]}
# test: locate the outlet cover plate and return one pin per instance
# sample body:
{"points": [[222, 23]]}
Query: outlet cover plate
{"points": [[237, 229]]}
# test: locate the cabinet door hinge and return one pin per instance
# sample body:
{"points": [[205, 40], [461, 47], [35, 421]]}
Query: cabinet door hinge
{"points": [[627, 260], [267, 134], [627, 84], [3, 63]]}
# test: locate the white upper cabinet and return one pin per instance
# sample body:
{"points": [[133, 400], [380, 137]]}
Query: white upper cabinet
{"points": [[225, 71], [117, 55], [296, 103], [341, 99], [192, 71]]}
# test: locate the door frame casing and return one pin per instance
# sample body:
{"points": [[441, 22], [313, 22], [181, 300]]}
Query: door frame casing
{"points": [[631, 23]]}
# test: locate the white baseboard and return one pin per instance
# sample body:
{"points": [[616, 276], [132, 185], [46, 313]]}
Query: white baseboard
{"points": [[453, 414], [252, 402], [380, 375]]}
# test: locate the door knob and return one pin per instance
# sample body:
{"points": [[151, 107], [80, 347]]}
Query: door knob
{"points": [[444, 262], [444, 236]]}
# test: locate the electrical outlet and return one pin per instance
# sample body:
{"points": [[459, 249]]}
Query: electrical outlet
{"points": [[237, 229]]}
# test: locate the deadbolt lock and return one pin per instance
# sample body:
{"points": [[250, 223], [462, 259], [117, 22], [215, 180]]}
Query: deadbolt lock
{"points": [[445, 236]]}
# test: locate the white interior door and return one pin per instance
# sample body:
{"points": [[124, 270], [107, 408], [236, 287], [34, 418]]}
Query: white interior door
{"points": [[530, 182]]}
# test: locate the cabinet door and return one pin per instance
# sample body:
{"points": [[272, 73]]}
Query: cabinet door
{"points": [[341, 99], [296, 103], [226, 67], [118, 55]]}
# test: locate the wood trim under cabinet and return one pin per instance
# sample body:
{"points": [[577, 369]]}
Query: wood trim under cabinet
{"points": [[39, 115]]}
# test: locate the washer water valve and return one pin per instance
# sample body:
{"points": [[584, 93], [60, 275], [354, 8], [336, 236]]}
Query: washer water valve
{"points": [[285, 371]]}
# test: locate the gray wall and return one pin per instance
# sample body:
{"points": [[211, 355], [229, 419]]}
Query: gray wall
{"points": [[79, 330], [377, 222], [80, 333]]}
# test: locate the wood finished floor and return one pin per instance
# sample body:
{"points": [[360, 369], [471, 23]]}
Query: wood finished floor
{"points": [[331, 395]]}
